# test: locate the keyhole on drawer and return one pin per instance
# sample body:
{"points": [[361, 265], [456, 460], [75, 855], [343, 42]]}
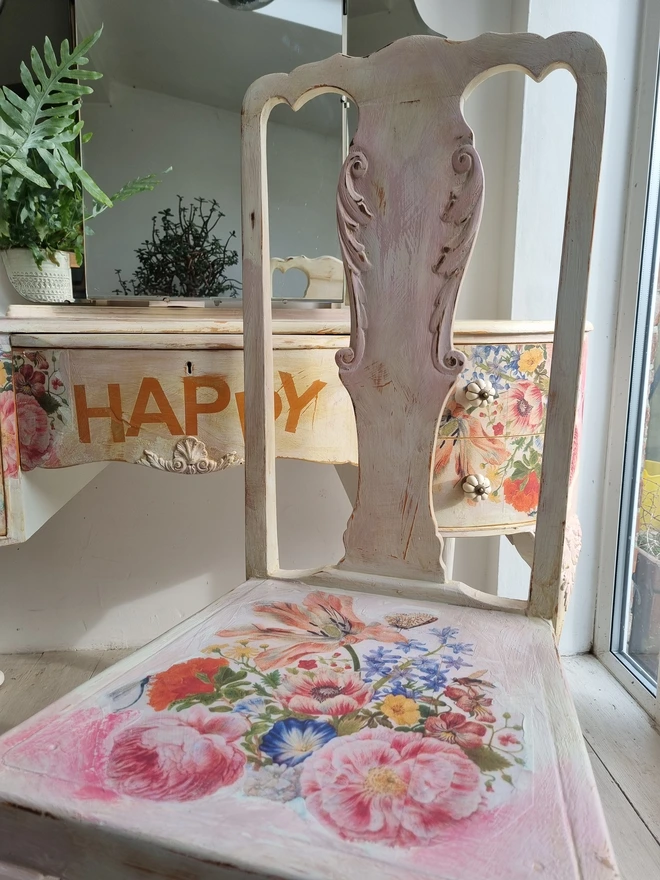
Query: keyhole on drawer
{"points": [[189, 368]]}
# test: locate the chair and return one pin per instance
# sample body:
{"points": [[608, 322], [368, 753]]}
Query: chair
{"points": [[370, 719]]}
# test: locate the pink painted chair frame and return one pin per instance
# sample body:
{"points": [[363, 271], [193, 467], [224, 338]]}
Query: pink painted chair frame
{"points": [[379, 554]]}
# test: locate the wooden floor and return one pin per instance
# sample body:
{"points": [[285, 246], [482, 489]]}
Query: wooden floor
{"points": [[623, 744]]}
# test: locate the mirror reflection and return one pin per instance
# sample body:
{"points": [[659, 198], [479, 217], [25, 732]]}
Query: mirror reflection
{"points": [[175, 74]]}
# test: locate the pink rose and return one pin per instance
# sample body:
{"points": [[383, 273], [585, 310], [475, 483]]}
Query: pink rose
{"points": [[8, 419], [398, 789], [72, 751], [178, 758], [34, 432]]}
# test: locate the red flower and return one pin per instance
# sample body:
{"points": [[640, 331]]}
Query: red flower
{"points": [[508, 739], [523, 495], [27, 380], [56, 383], [322, 623], [498, 429], [452, 727], [472, 702], [181, 680], [307, 664]]}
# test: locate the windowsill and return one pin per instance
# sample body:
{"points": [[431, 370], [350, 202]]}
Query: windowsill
{"points": [[624, 747]]}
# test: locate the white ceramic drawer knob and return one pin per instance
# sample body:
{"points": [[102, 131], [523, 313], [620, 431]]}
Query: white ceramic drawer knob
{"points": [[480, 391], [476, 487]]}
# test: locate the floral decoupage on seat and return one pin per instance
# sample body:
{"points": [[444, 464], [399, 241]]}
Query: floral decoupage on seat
{"points": [[356, 724]]}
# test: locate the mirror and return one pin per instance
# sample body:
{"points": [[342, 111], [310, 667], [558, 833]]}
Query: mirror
{"points": [[175, 74]]}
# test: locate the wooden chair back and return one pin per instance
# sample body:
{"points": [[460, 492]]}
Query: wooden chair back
{"points": [[409, 203]]}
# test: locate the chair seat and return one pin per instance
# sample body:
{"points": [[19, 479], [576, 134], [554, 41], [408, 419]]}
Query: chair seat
{"points": [[291, 732]]}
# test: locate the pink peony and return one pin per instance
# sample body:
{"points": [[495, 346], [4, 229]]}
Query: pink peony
{"points": [[178, 758], [34, 432], [73, 751], [398, 789], [324, 693], [8, 420]]}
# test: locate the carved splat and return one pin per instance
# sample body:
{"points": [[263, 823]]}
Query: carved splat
{"points": [[409, 205]]}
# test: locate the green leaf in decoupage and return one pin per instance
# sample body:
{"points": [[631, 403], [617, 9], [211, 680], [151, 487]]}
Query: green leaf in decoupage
{"points": [[488, 760], [273, 678], [350, 724]]}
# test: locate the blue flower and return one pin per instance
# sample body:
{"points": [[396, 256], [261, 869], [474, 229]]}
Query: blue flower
{"points": [[461, 648], [397, 689], [454, 662], [412, 645], [430, 673], [445, 634], [291, 741], [250, 706], [379, 662]]}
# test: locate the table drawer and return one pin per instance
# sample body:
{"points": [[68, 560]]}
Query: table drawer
{"points": [[499, 438]]}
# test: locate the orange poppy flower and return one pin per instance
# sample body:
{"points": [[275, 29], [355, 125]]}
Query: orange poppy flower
{"points": [[523, 495], [181, 680]]}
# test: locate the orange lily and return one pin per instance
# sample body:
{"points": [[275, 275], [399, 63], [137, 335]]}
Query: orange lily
{"points": [[322, 623]]}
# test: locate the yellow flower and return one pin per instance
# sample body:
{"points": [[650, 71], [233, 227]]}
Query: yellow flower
{"points": [[241, 652], [400, 709], [530, 359], [214, 649]]}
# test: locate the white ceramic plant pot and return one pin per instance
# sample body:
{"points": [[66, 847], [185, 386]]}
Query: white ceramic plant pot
{"points": [[50, 284]]}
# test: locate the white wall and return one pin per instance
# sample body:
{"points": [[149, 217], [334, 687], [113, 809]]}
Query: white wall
{"points": [[137, 551], [141, 132]]}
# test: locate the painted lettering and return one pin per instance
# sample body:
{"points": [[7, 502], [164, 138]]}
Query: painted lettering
{"points": [[113, 412], [149, 388], [193, 407], [297, 403]]}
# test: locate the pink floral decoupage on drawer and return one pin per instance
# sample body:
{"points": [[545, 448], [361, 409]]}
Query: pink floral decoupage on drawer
{"points": [[501, 440]]}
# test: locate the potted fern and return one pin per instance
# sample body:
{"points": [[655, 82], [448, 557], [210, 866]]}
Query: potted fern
{"points": [[42, 183]]}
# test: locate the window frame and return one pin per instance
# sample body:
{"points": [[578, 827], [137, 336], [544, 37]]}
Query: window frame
{"points": [[639, 258]]}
